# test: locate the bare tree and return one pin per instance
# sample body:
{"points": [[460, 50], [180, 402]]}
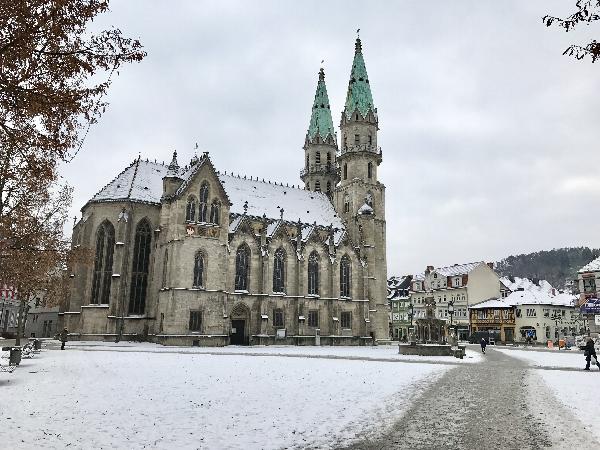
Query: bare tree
{"points": [[54, 73], [587, 12]]}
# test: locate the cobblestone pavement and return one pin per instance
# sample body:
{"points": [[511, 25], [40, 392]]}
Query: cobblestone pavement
{"points": [[475, 406]]}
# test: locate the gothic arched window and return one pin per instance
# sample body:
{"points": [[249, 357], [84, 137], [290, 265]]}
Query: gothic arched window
{"points": [[190, 209], [345, 277], [329, 188], [345, 171], [139, 269], [214, 212], [307, 162], [242, 259], [328, 157], [279, 271], [318, 158], [317, 186], [198, 271], [346, 203], [105, 245], [369, 199], [203, 206], [370, 170], [313, 274]]}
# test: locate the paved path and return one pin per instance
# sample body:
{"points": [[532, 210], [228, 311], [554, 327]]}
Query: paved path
{"points": [[475, 406]]}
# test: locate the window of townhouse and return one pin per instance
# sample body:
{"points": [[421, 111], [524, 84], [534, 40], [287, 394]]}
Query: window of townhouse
{"points": [[531, 312], [589, 285], [546, 312], [518, 313], [313, 318]]}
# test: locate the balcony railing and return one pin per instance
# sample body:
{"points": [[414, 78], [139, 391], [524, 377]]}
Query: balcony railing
{"points": [[361, 148], [327, 168]]}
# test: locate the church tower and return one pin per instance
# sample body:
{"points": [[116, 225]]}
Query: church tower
{"points": [[320, 145], [360, 198]]}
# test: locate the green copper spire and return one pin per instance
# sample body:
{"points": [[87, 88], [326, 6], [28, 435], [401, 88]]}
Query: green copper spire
{"points": [[359, 91], [320, 119]]}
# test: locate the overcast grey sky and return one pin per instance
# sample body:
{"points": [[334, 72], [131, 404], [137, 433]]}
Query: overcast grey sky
{"points": [[488, 132]]}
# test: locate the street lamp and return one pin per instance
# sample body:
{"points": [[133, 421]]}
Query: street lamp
{"points": [[451, 311]]}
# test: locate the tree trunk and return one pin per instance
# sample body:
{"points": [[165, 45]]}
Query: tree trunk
{"points": [[22, 318]]}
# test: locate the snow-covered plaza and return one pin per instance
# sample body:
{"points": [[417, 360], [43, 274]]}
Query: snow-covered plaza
{"points": [[133, 395]]}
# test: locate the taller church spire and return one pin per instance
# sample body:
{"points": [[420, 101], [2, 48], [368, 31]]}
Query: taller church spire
{"points": [[359, 98], [320, 145]]}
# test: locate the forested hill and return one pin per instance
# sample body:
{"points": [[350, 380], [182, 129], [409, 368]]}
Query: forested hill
{"points": [[557, 266]]}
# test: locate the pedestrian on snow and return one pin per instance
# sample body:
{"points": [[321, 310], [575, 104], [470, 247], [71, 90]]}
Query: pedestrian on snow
{"points": [[63, 337], [590, 352], [483, 344]]}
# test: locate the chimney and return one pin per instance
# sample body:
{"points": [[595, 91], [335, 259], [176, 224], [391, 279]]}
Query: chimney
{"points": [[553, 292], [536, 281]]}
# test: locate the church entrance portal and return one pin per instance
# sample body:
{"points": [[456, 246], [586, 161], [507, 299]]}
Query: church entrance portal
{"points": [[240, 324], [238, 332]]}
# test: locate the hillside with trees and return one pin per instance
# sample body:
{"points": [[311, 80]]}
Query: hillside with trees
{"points": [[557, 266]]}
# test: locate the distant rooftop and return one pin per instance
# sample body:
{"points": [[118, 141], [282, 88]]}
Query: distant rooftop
{"points": [[593, 266]]}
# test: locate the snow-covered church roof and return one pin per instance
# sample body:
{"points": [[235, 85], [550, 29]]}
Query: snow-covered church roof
{"points": [[142, 182]]}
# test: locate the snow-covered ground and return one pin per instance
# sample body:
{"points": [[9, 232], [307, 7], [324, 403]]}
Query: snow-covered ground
{"points": [[576, 389], [378, 353], [136, 395]]}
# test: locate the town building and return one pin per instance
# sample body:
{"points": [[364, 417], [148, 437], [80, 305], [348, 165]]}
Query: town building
{"points": [[196, 256], [532, 313], [42, 319], [452, 290], [401, 319], [588, 281], [495, 316], [9, 311]]}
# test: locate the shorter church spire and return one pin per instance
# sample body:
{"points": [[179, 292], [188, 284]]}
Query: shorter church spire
{"points": [[321, 123]]}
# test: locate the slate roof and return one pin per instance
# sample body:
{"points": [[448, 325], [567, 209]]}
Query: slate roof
{"points": [[142, 182]]}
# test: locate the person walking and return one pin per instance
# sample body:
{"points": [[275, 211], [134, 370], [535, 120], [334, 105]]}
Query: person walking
{"points": [[63, 337], [590, 352], [483, 344]]}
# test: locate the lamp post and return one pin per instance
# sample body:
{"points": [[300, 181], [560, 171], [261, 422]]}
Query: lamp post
{"points": [[411, 331], [451, 311]]}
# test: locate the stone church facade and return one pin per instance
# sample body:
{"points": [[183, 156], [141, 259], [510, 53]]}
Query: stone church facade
{"points": [[195, 256]]}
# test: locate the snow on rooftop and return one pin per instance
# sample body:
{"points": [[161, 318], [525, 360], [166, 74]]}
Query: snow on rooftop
{"points": [[526, 284], [268, 199], [142, 181], [492, 303], [457, 269], [593, 266], [540, 298]]}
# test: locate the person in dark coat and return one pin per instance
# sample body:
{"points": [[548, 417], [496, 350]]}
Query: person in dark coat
{"points": [[63, 337], [483, 344], [589, 351]]}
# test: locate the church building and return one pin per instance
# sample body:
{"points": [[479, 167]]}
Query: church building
{"points": [[194, 255]]}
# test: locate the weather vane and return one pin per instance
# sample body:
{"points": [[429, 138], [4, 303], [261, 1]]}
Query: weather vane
{"points": [[358, 33]]}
